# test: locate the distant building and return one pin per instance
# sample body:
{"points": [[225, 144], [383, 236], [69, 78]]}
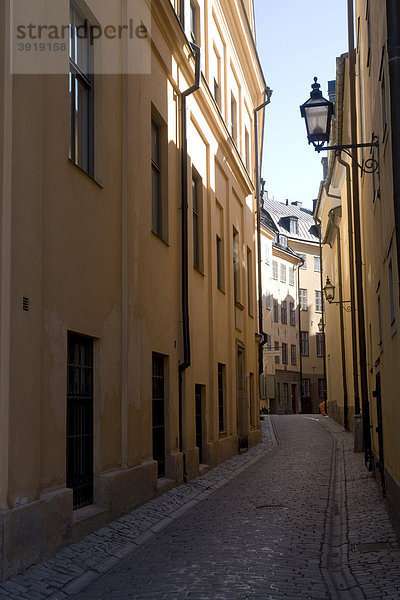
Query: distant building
{"points": [[293, 308]]}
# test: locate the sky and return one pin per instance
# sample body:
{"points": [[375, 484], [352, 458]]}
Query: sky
{"points": [[296, 42]]}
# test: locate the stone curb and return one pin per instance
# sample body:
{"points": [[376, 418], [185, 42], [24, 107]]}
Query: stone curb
{"points": [[217, 480]]}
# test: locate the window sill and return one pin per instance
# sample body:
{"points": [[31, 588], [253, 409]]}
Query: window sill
{"points": [[86, 173], [198, 270], [239, 305], [160, 238], [221, 290]]}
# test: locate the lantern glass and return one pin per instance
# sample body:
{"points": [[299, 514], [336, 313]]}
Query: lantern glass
{"points": [[329, 290], [317, 120], [317, 112]]}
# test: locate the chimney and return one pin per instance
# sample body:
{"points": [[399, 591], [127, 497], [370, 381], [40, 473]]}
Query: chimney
{"points": [[332, 90], [287, 202], [324, 162]]}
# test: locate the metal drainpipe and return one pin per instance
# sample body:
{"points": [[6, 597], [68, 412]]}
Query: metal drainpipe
{"points": [[300, 354], [357, 245], [352, 286], [184, 216], [268, 93], [321, 278], [331, 216], [393, 49]]}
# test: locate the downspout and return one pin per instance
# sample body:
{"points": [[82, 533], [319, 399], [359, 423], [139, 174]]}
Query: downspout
{"points": [[185, 250], [268, 94], [393, 49], [357, 245], [300, 353], [331, 216], [321, 279], [352, 285]]}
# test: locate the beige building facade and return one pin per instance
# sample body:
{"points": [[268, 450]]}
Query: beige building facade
{"points": [[362, 208], [128, 302], [296, 307]]}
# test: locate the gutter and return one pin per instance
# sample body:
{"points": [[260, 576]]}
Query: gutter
{"points": [[184, 224], [331, 215], [321, 283], [393, 49], [357, 245], [268, 93]]}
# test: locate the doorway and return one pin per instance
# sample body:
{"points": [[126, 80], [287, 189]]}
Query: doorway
{"points": [[294, 394], [241, 395]]}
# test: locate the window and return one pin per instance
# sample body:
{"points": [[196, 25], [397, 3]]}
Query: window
{"points": [[283, 241], [234, 118], [80, 419], [304, 350], [246, 149], [269, 342], [250, 281], [284, 354], [318, 301], [252, 403], [217, 77], [158, 413], [284, 312], [277, 357], [268, 300], [157, 183], [383, 102], [274, 269], [81, 91], [391, 292], [293, 357], [320, 344], [379, 319], [304, 258], [303, 299], [276, 309], [294, 225], [306, 388], [285, 397], [221, 397], [321, 388], [291, 275], [317, 264], [199, 397], [236, 266], [220, 264], [194, 22], [368, 34], [265, 251], [283, 273], [292, 314], [197, 223]]}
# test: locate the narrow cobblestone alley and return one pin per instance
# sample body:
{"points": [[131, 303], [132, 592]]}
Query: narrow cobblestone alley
{"points": [[289, 519]]}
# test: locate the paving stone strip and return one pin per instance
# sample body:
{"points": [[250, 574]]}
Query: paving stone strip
{"points": [[78, 565], [360, 553]]}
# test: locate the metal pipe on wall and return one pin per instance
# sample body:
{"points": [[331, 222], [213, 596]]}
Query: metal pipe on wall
{"points": [[357, 244]]}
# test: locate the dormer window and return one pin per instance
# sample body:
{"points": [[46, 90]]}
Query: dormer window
{"points": [[283, 241], [294, 225]]}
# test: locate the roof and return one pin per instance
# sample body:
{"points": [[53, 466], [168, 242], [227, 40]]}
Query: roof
{"points": [[279, 215]]}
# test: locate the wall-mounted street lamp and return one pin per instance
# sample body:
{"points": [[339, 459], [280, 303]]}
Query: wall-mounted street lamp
{"points": [[317, 112], [329, 291]]}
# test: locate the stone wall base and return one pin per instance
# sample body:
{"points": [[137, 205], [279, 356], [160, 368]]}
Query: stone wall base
{"points": [[393, 500], [35, 531]]}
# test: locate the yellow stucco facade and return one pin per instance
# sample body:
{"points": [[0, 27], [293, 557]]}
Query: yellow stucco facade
{"points": [[91, 275], [362, 353]]}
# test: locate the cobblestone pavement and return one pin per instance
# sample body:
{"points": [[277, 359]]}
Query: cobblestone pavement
{"points": [[297, 517]]}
